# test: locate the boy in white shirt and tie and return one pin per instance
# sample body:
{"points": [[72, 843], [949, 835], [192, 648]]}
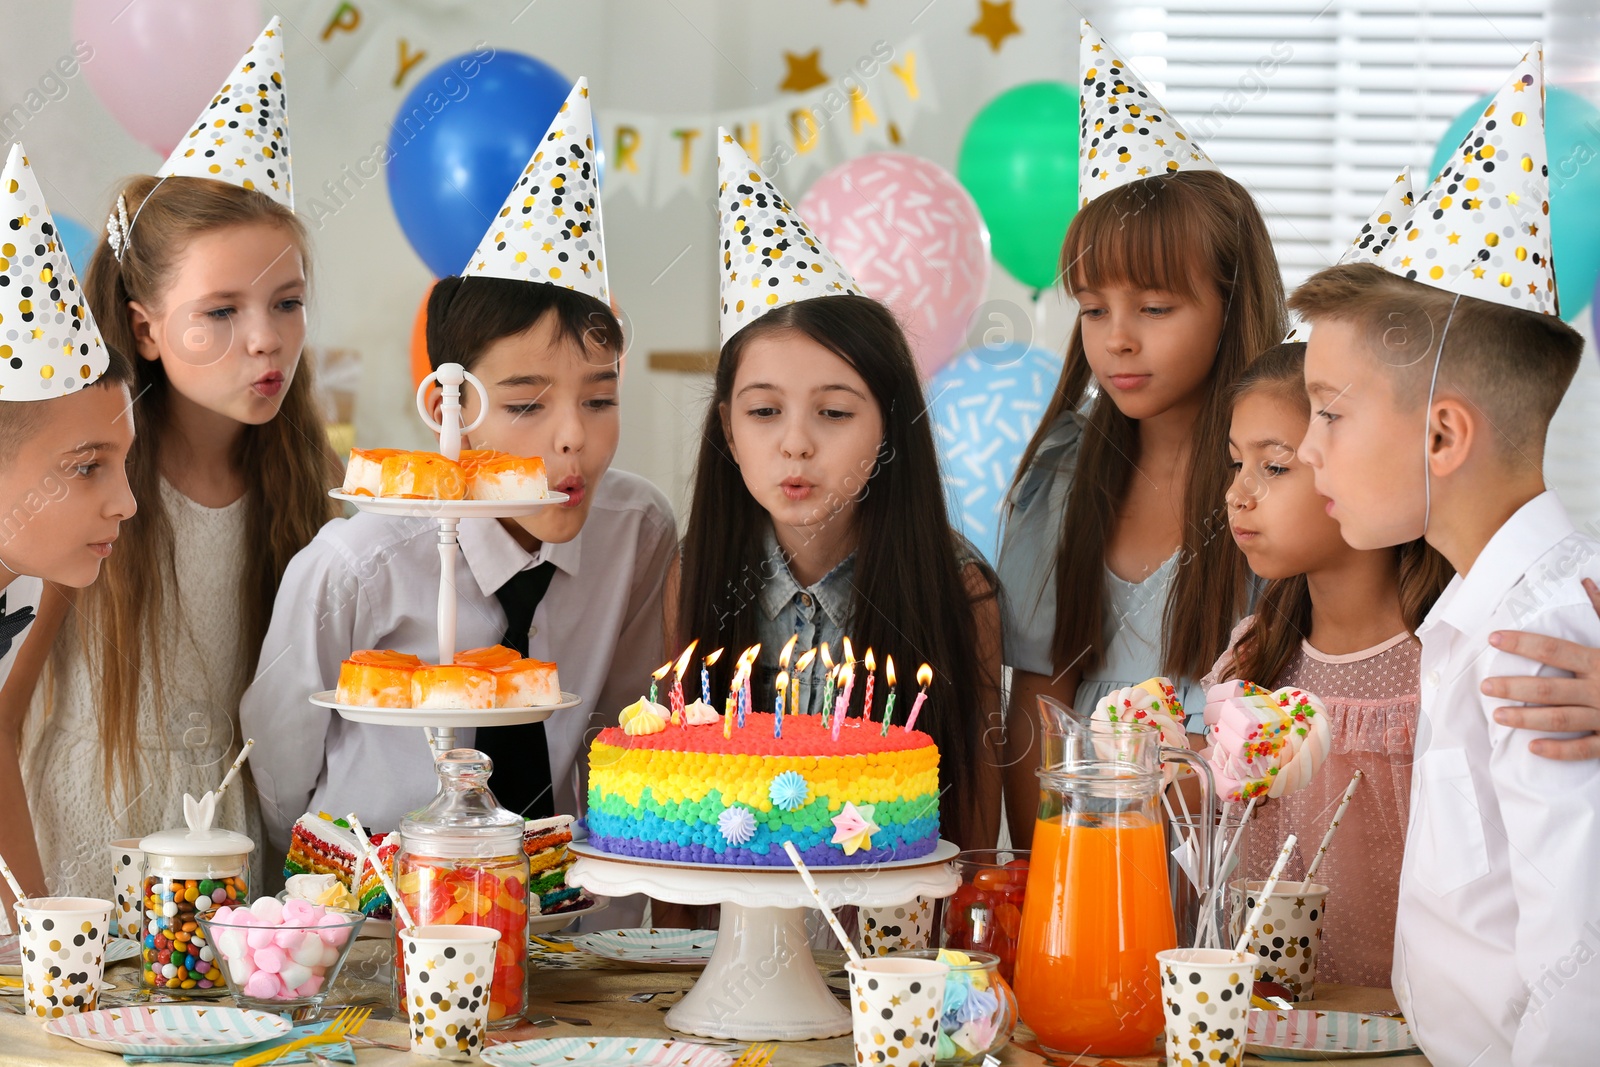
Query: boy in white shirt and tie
{"points": [[1497, 949]]}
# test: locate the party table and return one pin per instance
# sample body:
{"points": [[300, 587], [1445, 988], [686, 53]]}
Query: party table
{"points": [[572, 994]]}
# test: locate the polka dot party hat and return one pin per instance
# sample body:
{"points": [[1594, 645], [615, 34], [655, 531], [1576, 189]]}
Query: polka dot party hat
{"points": [[770, 257], [242, 136], [1375, 235], [1482, 229], [49, 344], [1124, 134], [548, 229]]}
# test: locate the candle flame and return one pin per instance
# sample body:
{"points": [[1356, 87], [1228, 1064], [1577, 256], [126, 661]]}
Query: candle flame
{"points": [[788, 650], [683, 660], [924, 676], [661, 671], [783, 680], [805, 661], [849, 654], [827, 660], [871, 663], [711, 659], [888, 668]]}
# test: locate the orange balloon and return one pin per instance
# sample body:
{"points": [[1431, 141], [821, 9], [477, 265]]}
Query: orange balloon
{"points": [[420, 367]]}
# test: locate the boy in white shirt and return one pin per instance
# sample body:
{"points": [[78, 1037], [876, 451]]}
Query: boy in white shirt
{"points": [[582, 580], [1498, 924]]}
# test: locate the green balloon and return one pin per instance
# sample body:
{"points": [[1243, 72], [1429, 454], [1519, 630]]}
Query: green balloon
{"points": [[1019, 160]]}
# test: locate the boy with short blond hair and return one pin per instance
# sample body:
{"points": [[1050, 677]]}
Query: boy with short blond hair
{"points": [[1455, 339]]}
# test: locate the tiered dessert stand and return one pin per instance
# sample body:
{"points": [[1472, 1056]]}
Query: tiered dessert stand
{"points": [[761, 983], [440, 724]]}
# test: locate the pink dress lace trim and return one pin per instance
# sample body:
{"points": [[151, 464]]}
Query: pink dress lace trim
{"points": [[1372, 700]]}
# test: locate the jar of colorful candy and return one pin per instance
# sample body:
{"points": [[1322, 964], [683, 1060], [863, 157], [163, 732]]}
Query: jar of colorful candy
{"points": [[188, 872], [986, 911], [980, 1010], [461, 863]]}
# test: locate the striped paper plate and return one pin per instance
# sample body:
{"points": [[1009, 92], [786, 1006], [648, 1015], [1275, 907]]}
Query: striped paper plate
{"points": [[1326, 1035], [669, 948], [605, 1052], [141, 1029]]}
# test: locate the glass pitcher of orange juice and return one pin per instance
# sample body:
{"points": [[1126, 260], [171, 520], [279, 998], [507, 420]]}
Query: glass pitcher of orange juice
{"points": [[1097, 907]]}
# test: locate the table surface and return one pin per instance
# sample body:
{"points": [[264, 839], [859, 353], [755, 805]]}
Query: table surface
{"points": [[592, 998]]}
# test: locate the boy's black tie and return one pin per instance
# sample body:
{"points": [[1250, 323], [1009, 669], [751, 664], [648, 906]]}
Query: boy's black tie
{"points": [[12, 625], [521, 755]]}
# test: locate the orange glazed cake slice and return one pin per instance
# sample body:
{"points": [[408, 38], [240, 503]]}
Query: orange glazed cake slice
{"points": [[377, 678], [422, 476], [452, 687], [519, 682], [363, 476], [507, 477]]}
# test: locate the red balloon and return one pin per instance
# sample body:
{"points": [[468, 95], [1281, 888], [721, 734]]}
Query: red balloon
{"points": [[420, 367]]}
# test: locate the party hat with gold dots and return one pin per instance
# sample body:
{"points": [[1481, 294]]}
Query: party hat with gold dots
{"points": [[49, 344], [1482, 229], [548, 229], [1375, 235], [242, 136], [770, 257], [1124, 134]]}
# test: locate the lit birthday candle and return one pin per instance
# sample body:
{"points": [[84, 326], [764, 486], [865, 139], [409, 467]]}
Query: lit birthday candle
{"points": [[848, 671], [827, 686], [677, 683], [924, 679], [777, 711], [866, 701], [656, 676], [801, 665], [888, 705], [705, 675]]}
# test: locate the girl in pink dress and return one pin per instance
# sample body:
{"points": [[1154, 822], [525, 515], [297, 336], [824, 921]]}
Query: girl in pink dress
{"points": [[1337, 622]]}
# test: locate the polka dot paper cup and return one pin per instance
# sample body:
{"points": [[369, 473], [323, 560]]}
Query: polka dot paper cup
{"points": [[901, 928], [127, 881], [1206, 994], [448, 971], [895, 1004], [63, 944], [1289, 938]]}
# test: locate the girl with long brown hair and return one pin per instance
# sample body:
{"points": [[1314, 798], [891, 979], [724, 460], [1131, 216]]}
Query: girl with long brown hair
{"points": [[1338, 622], [1115, 563]]}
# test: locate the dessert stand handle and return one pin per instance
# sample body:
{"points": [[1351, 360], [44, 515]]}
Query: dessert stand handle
{"points": [[449, 378]]}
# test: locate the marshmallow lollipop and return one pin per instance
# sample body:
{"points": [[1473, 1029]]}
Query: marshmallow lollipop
{"points": [[1153, 702], [1264, 744]]}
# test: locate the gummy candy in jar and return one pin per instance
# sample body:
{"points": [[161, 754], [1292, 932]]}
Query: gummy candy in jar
{"points": [[188, 872], [461, 863]]}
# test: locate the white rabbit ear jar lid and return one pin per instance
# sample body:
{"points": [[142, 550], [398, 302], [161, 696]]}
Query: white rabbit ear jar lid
{"points": [[199, 838]]}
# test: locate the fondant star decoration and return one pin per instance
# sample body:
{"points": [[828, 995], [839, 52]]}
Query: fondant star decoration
{"points": [[853, 828], [805, 71], [995, 23]]}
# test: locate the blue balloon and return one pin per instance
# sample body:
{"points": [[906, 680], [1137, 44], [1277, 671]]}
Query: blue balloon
{"points": [[985, 405], [1572, 140], [458, 144], [78, 240]]}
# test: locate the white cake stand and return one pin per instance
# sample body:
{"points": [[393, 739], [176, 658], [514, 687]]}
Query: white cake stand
{"points": [[761, 983]]}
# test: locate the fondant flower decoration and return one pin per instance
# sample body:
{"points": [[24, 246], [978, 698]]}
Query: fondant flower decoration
{"points": [[737, 824], [788, 790], [643, 717], [853, 828], [700, 714]]}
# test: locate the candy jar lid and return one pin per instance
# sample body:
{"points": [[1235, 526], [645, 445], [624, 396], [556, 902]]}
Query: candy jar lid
{"points": [[199, 837], [463, 819]]}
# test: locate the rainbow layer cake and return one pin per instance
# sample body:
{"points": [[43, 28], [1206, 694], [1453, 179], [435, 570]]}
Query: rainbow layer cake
{"points": [[685, 792], [545, 841], [320, 844]]}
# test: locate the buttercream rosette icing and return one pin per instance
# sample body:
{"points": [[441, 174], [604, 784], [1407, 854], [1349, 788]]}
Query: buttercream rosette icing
{"points": [[1264, 744]]}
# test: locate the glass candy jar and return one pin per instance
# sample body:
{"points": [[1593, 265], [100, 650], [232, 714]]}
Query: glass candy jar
{"points": [[461, 863], [187, 873]]}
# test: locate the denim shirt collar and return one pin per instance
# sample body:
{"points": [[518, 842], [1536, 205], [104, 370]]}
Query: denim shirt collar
{"points": [[834, 591]]}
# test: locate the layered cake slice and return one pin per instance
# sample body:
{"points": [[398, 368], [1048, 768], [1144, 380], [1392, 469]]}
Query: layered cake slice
{"points": [[507, 477], [363, 476], [377, 678], [320, 844], [545, 841], [422, 476], [452, 687], [519, 682]]}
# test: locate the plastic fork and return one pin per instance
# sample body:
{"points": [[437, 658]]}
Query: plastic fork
{"points": [[756, 1056], [344, 1024]]}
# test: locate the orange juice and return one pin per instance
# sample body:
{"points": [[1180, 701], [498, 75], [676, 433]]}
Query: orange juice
{"points": [[1095, 914]]}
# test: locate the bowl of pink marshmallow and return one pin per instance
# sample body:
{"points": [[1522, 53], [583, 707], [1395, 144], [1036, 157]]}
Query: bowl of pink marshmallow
{"points": [[281, 955]]}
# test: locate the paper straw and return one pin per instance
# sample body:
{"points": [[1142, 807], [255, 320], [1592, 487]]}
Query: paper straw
{"points": [[370, 854], [1266, 892], [1220, 872], [16, 887], [233, 772], [1322, 849], [816, 894]]}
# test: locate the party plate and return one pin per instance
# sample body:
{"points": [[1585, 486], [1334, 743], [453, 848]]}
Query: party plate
{"points": [[605, 1052], [1326, 1035], [655, 948], [117, 950], [557, 921], [141, 1029]]}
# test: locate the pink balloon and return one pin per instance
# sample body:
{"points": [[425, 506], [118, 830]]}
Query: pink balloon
{"points": [[913, 238], [156, 63]]}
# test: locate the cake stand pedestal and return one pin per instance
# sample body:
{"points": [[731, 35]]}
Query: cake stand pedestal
{"points": [[761, 983]]}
